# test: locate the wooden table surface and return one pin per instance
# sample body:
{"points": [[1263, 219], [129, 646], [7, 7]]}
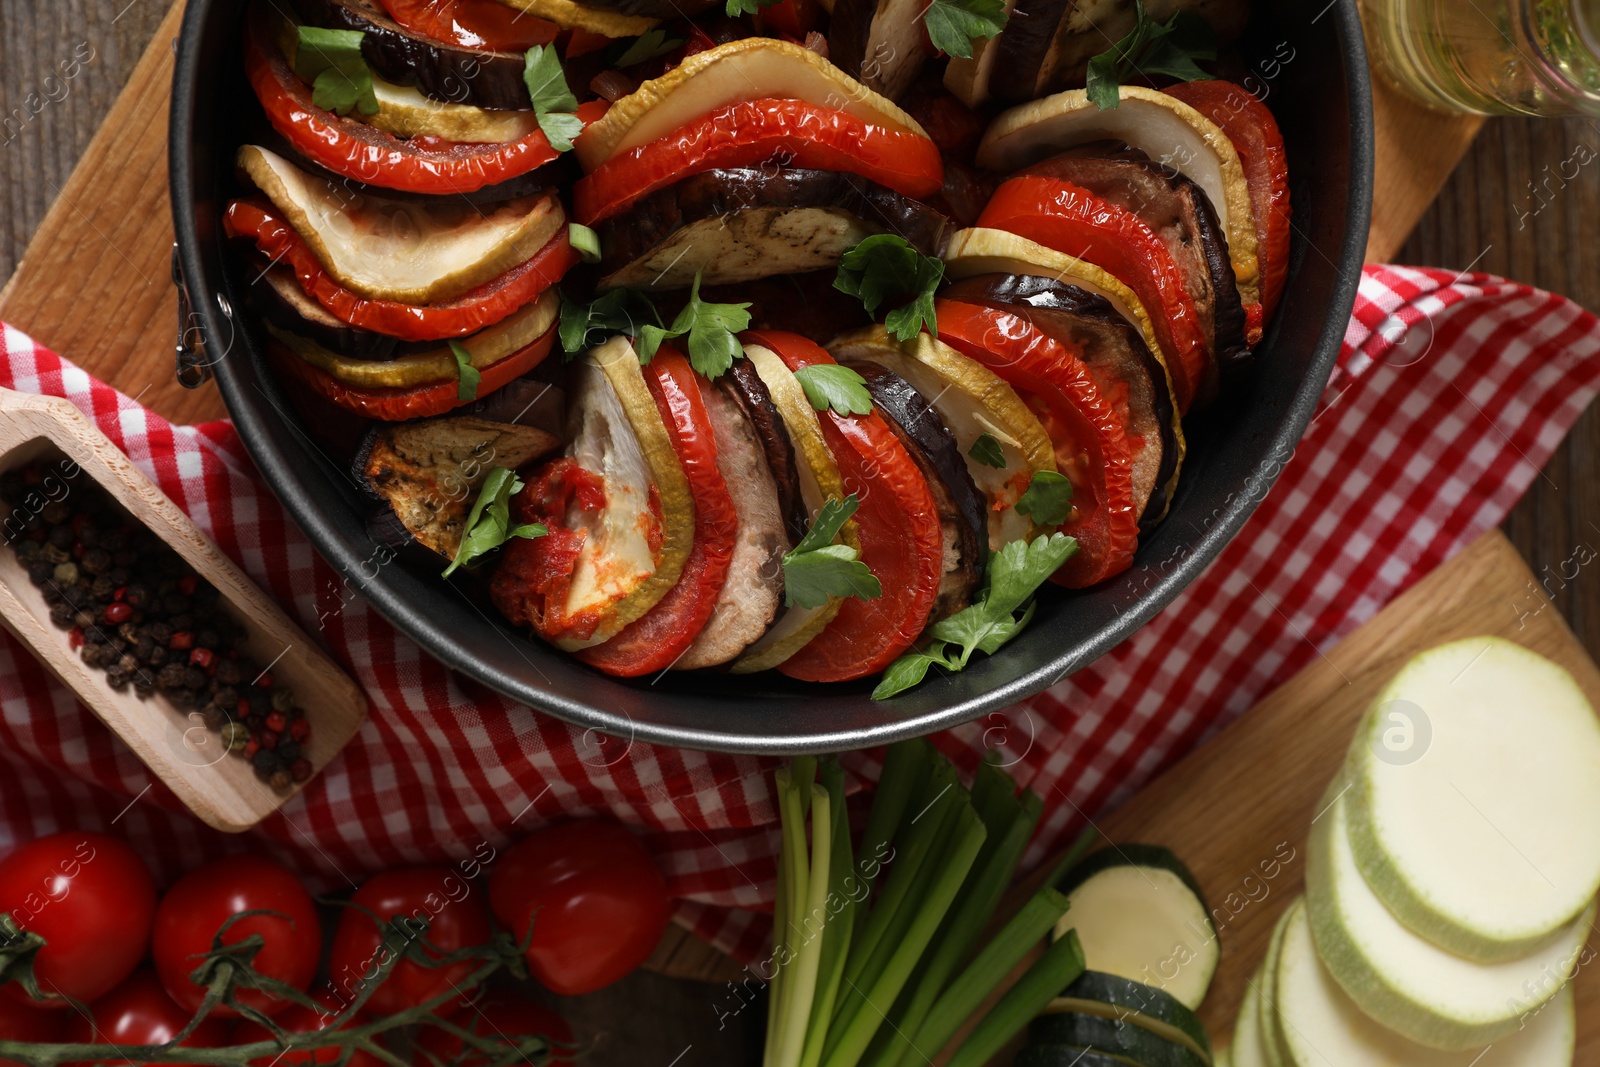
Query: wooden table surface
{"points": [[1508, 209]]}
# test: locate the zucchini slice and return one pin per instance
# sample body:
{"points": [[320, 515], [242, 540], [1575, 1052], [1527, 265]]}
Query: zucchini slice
{"points": [[1066, 1056], [1490, 842], [1116, 1037], [1140, 915], [411, 251], [1428, 994], [1111, 996], [1247, 1050], [1322, 1025], [1273, 1048]]}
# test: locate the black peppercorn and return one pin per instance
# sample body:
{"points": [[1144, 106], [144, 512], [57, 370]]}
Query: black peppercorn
{"points": [[228, 672], [96, 561], [57, 511], [280, 780], [194, 678], [27, 551], [287, 751], [266, 760], [61, 615], [171, 676], [60, 537], [39, 571]]}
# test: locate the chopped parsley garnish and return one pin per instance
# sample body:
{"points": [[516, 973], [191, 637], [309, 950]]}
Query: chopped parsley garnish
{"points": [[615, 311], [467, 376], [986, 450], [1015, 573], [489, 521], [885, 268], [1048, 499], [1167, 49], [828, 385], [816, 568], [331, 61], [710, 329], [553, 102]]}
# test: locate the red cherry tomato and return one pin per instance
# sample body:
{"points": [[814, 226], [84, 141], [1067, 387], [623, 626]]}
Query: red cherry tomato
{"points": [[91, 898], [457, 918], [593, 897], [202, 901], [139, 1012], [503, 1014], [301, 1020], [658, 639], [19, 1022], [755, 132]]}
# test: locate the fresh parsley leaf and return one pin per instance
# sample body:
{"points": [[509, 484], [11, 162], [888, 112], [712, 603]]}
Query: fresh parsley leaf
{"points": [[489, 521], [553, 102], [816, 568], [331, 61], [986, 450], [734, 8], [1014, 575], [828, 385], [907, 672], [648, 45], [467, 376], [1169, 49], [885, 267], [621, 310], [1048, 499], [710, 329], [954, 24]]}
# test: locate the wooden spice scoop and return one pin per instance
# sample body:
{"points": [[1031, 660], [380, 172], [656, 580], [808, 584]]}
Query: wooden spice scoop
{"points": [[220, 788]]}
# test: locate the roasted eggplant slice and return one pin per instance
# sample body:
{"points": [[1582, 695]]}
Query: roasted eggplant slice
{"points": [[276, 296], [752, 593], [961, 507], [744, 223], [879, 42], [806, 304], [440, 70], [1123, 367], [1179, 213], [427, 473], [1023, 49], [744, 387], [973, 403]]}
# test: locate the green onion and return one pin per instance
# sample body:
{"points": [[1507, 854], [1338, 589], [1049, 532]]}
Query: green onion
{"points": [[996, 960], [1058, 968], [846, 1048], [584, 241], [796, 1009], [905, 769], [843, 885]]}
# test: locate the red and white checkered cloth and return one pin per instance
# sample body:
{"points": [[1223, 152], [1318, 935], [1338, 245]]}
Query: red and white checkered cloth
{"points": [[1450, 395]]}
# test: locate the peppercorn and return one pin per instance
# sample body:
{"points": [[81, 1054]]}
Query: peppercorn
{"points": [[125, 558], [144, 683], [158, 656], [61, 614], [251, 749], [259, 700], [287, 751], [116, 677], [214, 717], [181, 641], [300, 729], [116, 613], [194, 678], [26, 551], [101, 588], [137, 595], [267, 738], [55, 512], [53, 555], [201, 656], [60, 537], [171, 676], [118, 576], [280, 780], [235, 735], [276, 722], [266, 761], [40, 570], [228, 672], [301, 769]]}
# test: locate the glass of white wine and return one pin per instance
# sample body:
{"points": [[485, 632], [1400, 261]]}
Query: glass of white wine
{"points": [[1490, 57]]}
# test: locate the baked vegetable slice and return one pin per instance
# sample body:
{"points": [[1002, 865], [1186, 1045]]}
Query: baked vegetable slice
{"points": [[961, 507], [1091, 450], [427, 474], [754, 68], [1248, 1049], [276, 296], [1178, 213], [1161, 126], [1002, 440], [1491, 841], [617, 508], [1128, 374], [752, 594], [1415, 988], [742, 223], [1140, 915], [1323, 1025], [899, 530], [1116, 1037], [1115, 997], [656, 640]]}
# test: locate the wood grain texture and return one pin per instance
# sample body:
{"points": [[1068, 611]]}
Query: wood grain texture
{"points": [[221, 790]]}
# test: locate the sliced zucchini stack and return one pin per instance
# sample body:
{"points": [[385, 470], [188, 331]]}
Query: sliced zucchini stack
{"points": [[1450, 877], [1110, 996]]}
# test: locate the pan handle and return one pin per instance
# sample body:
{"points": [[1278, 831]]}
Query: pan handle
{"points": [[193, 369]]}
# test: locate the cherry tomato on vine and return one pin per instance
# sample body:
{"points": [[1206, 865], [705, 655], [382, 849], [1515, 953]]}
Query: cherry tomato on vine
{"points": [[302, 1020], [20, 1022], [457, 918], [503, 1014], [90, 897], [593, 898], [197, 906], [139, 1012]]}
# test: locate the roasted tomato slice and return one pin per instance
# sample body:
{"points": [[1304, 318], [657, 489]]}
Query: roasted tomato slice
{"points": [[1091, 449], [485, 24], [655, 641], [1070, 219], [466, 314], [785, 133], [898, 524], [395, 405], [1255, 135], [366, 154]]}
